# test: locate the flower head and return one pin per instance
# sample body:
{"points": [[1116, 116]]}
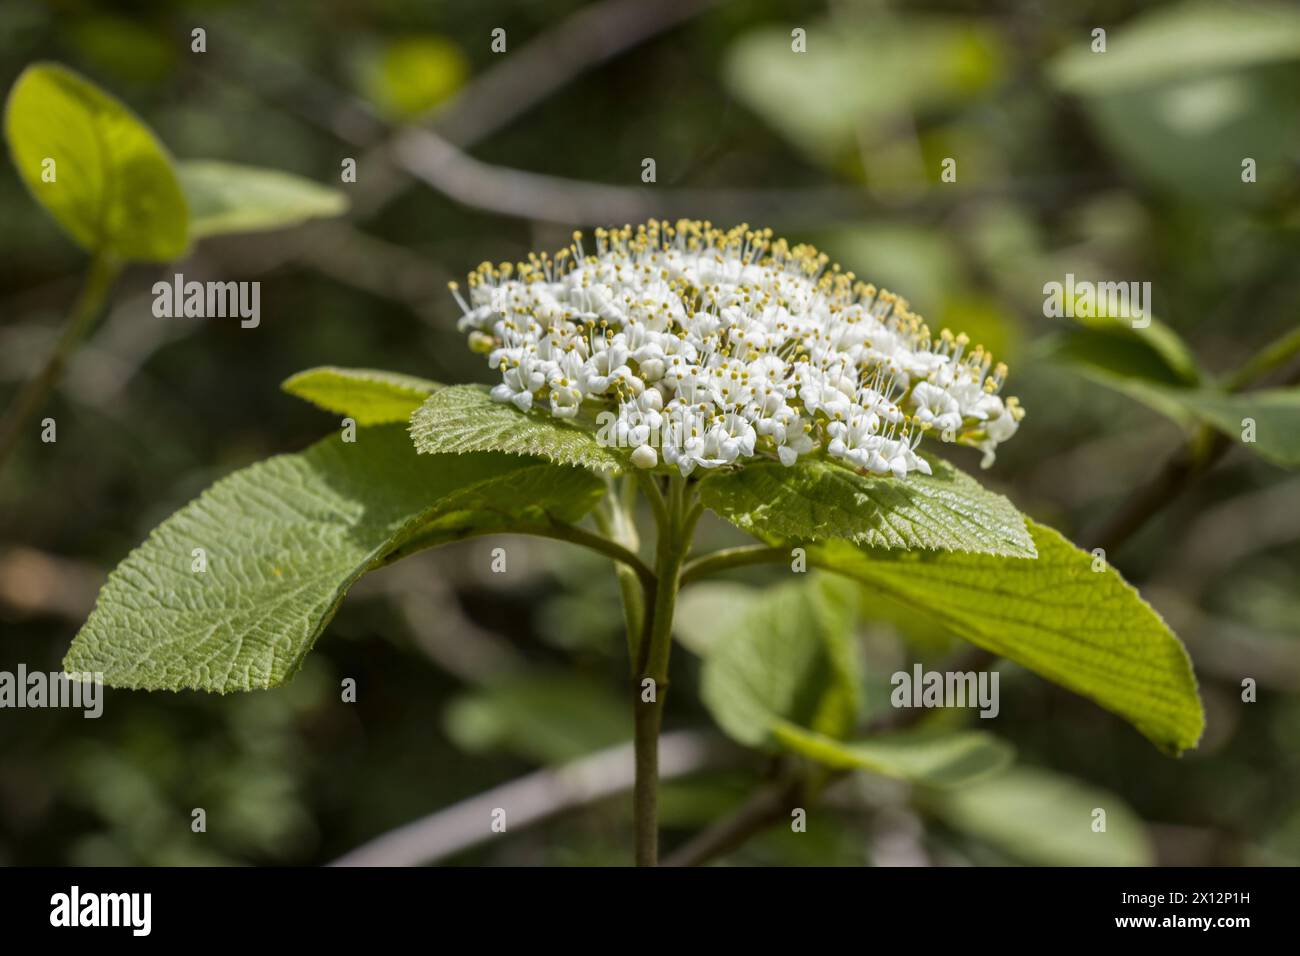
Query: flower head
{"points": [[711, 346]]}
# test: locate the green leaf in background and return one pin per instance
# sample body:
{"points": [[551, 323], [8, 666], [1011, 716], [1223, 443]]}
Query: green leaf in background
{"points": [[547, 716], [1275, 411], [1087, 630], [813, 500], [936, 759], [114, 188], [225, 198], [785, 674], [1181, 41], [283, 540], [1156, 353], [1158, 376], [789, 658], [701, 606], [1044, 819], [370, 396], [464, 418], [1112, 353], [861, 75], [1115, 362], [1184, 92]]}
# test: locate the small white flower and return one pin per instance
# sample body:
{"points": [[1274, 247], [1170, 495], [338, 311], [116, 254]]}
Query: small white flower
{"points": [[936, 406], [713, 347], [645, 457], [999, 430]]}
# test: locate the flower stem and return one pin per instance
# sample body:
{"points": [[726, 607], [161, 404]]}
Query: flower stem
{"points": [[676, 523], [645, 794], [99, 280]]}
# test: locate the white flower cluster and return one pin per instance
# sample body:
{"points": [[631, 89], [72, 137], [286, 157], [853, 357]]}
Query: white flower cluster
{"points": [[710, 346]]}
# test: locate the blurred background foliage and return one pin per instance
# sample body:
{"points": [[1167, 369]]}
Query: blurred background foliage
{"points": [[1125, 165]]}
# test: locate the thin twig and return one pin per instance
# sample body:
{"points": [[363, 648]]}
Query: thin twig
{"points": [[433, 158], [1175, 475], [766, 807], [533, 798], [550, 61]]}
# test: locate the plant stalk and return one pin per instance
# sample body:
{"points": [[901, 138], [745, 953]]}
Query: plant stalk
{"points": [[33, 395], [676, 522]]}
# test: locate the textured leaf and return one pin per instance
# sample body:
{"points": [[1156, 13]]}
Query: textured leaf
{"points": [[1045, 819], [789, 658], [464, 418], [284, 540], [370, 396], [114, 187], [814, 500], [937, 759], [225, 198], [1086, 630]]}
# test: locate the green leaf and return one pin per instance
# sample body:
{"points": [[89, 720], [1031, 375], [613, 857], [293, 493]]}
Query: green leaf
{"points": [[785, 675], [1181, 87], [283, 541], [1129, 362], [936, 759], [861, 74], [789, 658], [1178, 42], [701, 606], [1149, 374], [547, 716], [1275, 411], [1112, 346], [1045, 819], [464, 418], [114, 188], [225, 198], [814, 500], [1087, 630], [370, 396]]}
